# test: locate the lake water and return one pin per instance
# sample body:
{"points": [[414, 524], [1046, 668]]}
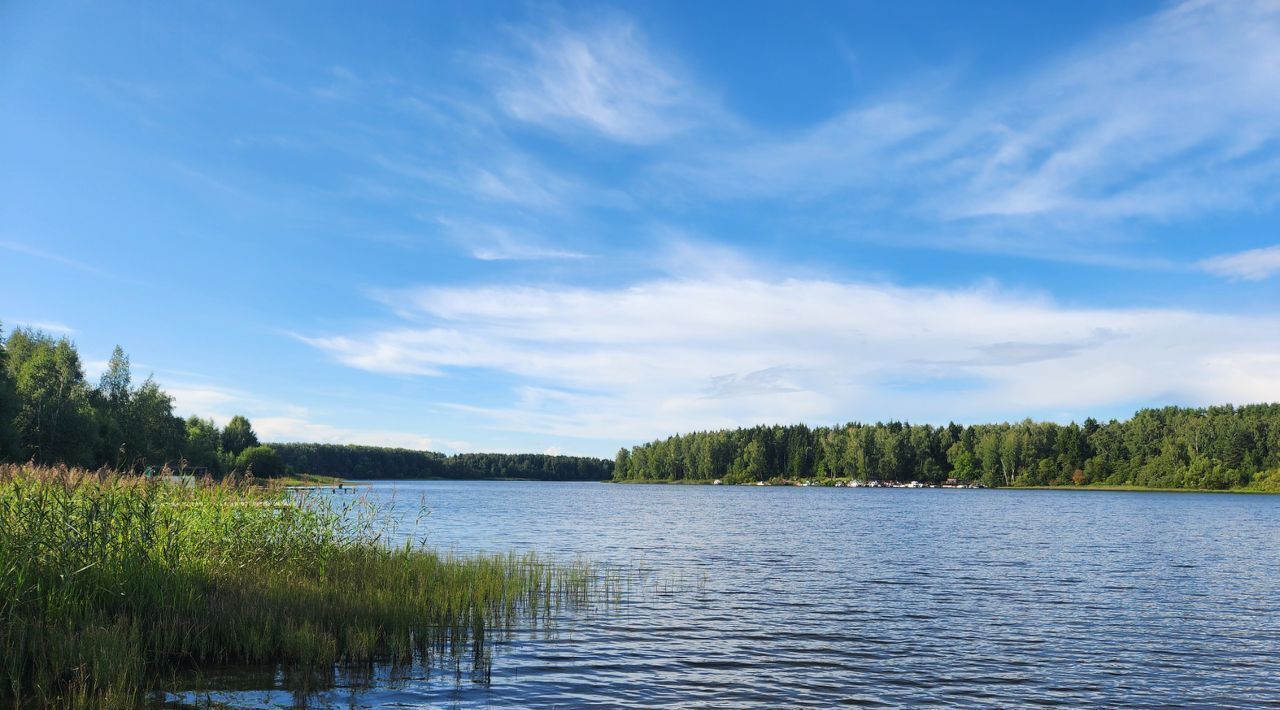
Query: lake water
{"points": [[773, 597]]}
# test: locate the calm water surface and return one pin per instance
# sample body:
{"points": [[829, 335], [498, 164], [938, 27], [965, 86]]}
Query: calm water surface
{"points": [[775, 597]]}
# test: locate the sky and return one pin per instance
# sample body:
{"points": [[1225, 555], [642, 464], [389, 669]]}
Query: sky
{"points": [[564, 227]]}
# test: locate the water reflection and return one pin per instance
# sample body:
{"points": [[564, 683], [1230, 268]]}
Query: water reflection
{"points": [[813, 597]]}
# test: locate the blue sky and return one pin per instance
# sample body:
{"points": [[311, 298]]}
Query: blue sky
{"points": [[563, 227]]}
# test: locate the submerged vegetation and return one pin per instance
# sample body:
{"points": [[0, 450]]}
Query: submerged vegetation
{"points": [[1214, 448], [110, 584]]}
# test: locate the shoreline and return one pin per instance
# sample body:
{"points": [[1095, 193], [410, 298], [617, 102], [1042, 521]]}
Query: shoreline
{"points": [[230, 572], [1140, 489], [318, 481], [1092, 487]]}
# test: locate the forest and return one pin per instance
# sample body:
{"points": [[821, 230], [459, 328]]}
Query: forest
{"points": [[357, 462], [1195, 448], [51, 414]]}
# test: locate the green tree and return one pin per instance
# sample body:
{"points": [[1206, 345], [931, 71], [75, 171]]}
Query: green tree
{"points": [[962, 463], [755, 465], [620, 464], [238, 436], [1011, 448], [8, 407], [137, 427], [116, 384], [203, 440], [160, 435], [54, 421], [261, 461], [111, 400], [1216, 447]]}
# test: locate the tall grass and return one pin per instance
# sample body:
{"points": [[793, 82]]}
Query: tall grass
{"points": [[109, 584]]}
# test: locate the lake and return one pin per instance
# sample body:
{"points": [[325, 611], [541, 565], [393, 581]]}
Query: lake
{"points": [[767, 597]]}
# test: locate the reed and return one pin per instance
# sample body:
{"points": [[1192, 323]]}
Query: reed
{"points": [[110, 584]]}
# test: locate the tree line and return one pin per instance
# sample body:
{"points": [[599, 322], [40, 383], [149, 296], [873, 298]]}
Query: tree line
{"points": [[1173, 447], [362, 462], [50, 413]]}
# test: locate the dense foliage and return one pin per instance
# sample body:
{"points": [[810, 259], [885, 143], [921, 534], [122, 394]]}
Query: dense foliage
{"points": [[49, 413], [111, 584], [1211, 448], [261, 460], [349, 461]]}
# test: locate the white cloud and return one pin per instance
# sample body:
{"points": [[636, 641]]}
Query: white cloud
{"points": [[93, 369], [280, 421], [496, 242], [208, 401], [47, 326], [860, 148], [487, 171], [603, 78], [678, 354], [300, 429], [1251, 265], [521, 181], [1177, 114]]}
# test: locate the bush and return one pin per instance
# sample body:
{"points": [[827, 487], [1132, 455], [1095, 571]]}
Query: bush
{"points": [[1268, 481], [262, 461]]}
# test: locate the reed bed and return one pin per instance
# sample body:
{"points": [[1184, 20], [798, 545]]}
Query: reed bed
{"points": [[110, 584]]}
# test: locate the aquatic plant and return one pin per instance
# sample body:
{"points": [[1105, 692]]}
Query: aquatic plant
{"points": [[111, 583]]}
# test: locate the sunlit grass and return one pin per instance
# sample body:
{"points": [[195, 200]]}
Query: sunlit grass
{"points": [[109, 584]]}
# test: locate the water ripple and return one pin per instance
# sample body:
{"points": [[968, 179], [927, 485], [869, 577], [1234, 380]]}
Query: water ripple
{"points": [[820, 597]]}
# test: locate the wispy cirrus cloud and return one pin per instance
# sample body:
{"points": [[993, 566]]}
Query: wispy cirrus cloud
{"points": [[858, 148], [47, 326], [1172, 116], [1251, 265], [603, 77], [503, 175], [497, 242], [723, 350], [28, 250], [1178, 114], [1175, 115]]}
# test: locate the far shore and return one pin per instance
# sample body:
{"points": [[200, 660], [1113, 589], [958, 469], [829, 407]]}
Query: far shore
{"points": [[812, 483], [317, 481], [1142, 489]]}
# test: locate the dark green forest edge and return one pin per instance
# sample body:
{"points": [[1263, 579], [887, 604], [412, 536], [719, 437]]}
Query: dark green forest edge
{"points": [[1215, 448], [363, 462], [50, 414]]}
